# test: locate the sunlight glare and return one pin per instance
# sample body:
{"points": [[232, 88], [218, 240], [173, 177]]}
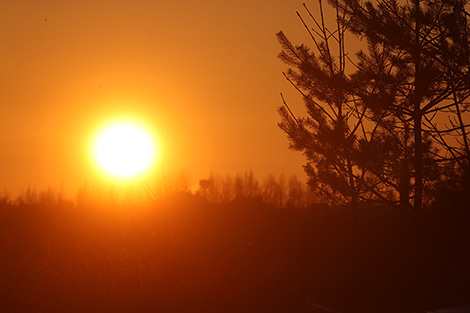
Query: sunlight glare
{"points": [[124, 149]]}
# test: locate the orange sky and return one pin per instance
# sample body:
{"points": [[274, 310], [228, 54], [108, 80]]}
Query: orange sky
{"points": [[204, 74]]}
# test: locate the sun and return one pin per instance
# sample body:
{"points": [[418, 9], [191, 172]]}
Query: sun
{"points": [[124, 149]]}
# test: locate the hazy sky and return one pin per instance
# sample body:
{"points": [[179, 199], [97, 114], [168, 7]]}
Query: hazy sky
{"points": [[204, 74]]}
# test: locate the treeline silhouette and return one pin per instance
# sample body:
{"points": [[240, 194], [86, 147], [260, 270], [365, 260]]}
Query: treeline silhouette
{"points": [[280, 192], [183, 253]]}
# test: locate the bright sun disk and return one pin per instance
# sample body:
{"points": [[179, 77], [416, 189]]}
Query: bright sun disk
{"points": [[124, 149]]}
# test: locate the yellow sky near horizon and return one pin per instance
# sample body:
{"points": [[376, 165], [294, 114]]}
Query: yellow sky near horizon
{"points": [[205, 75]]}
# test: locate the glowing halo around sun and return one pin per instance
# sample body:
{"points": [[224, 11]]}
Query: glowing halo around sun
{"points": [[124, 149]]}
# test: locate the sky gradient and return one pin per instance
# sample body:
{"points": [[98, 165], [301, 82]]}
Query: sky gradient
{"points": [[204, 75]]}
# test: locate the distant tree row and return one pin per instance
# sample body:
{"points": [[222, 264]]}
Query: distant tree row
{"points": [[280, 192]]}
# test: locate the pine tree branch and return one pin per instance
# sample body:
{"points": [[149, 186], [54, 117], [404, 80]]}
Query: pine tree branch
{"points": [[288, 109], [306, 97]]}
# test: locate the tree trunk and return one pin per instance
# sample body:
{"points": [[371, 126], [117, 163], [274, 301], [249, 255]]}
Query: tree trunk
{"points": [[418, 160], [418, 167], [418, 164]]}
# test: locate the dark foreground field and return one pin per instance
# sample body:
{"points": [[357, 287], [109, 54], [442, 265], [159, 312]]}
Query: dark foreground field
{"points": [[182, 254]]}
